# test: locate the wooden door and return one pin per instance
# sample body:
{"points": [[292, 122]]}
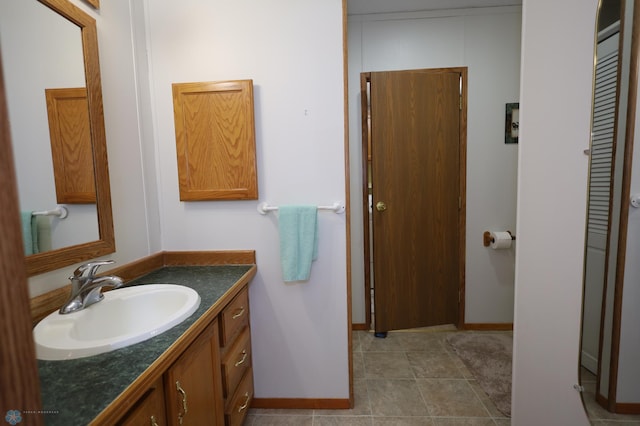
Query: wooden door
{"points": [[417, 197]]}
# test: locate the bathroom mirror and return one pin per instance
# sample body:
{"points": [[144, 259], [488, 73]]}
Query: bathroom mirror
{"points": [[607, 381], [63, 53]]}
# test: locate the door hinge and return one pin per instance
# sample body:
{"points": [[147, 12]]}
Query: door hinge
{"points": [[459, 296], [459, 203]]}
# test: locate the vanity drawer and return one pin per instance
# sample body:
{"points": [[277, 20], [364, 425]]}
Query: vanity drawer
{"points": [[234, 317], [239, 405], [236, 361]]}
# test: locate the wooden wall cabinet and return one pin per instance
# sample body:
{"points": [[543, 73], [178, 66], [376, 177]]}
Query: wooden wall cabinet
{"points": [[215, 140], [71, 149]]}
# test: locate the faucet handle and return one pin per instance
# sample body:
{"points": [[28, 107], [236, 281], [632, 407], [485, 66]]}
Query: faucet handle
{"points": [[90, 269]]}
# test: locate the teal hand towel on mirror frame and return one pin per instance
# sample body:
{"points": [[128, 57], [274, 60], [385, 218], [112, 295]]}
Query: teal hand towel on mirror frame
{"points": [[41, 231], [27, 236], [298, 229], [35, 244]]}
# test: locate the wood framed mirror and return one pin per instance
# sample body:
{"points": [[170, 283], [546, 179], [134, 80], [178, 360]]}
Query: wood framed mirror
{"points": [[100, 240], [609, 373]]}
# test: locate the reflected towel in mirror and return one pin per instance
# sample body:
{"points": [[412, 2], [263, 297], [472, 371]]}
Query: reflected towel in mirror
{"points": [[27, 233], [41, 233], [36, 233]]}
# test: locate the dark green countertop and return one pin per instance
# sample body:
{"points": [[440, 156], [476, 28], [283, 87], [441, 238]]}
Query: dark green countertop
{"points": [[75, 391]]}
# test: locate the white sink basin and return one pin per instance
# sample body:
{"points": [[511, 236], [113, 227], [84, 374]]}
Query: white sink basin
{"points": [[125, 316]]}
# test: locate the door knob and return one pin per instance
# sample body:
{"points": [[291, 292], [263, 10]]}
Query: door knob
{"points": [[381, 206]]}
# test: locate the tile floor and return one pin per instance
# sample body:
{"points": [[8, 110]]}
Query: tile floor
{"points": [[413, 378]]}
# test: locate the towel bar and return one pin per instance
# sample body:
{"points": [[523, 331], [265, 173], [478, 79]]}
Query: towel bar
{"points": [[337, 207], [59, 211]]}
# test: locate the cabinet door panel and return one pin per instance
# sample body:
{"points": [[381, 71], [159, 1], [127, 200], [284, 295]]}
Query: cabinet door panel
{"points": [[149, 410], [71, 148], [215, 140], [189, 384]]}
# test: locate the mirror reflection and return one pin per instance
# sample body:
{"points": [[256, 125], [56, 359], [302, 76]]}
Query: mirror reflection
{"points": [[41, 68], [600, 177], [610, 348]]}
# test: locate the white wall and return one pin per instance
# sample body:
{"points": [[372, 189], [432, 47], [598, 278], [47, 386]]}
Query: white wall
{"points": [[123, 141], [555, 99], [293, 52], [487, 41]]}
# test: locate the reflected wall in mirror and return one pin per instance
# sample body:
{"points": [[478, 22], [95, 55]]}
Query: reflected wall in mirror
{"points": [[61, 55], [36, 69], [604, 375]]}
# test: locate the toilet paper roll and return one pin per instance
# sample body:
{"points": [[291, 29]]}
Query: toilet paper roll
{"points": [[500, 240]]}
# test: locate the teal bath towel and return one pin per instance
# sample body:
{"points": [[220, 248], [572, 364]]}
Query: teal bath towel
{"points": [[36, 233], [27, 233], [298, 228], [41, 233]]}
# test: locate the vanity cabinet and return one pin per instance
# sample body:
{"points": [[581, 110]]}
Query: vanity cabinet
{"points": [[210, 382], [235, 349]]}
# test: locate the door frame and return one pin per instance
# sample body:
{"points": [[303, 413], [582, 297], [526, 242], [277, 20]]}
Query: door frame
{"points": [[365, 78], [20, 385]]}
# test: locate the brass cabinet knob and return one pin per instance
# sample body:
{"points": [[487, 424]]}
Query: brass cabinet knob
{"points": [[381, 206]]}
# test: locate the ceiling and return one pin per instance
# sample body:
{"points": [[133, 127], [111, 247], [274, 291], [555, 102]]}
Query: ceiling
{"points": [[361, 7]]}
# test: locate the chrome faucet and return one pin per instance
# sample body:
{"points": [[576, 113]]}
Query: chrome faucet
{"points": [[86, 287]]}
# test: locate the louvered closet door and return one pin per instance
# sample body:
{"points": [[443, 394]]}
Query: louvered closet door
{"points": [[599, 196], [602, 142]]}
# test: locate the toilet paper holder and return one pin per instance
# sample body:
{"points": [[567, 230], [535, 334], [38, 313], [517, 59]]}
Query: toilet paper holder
{"points": [[487, 239]]}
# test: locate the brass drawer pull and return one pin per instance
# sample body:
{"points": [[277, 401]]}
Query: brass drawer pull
{"points": [[239, 313], [244, 357], [153, 421], [184, 402], [246, 403]]}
